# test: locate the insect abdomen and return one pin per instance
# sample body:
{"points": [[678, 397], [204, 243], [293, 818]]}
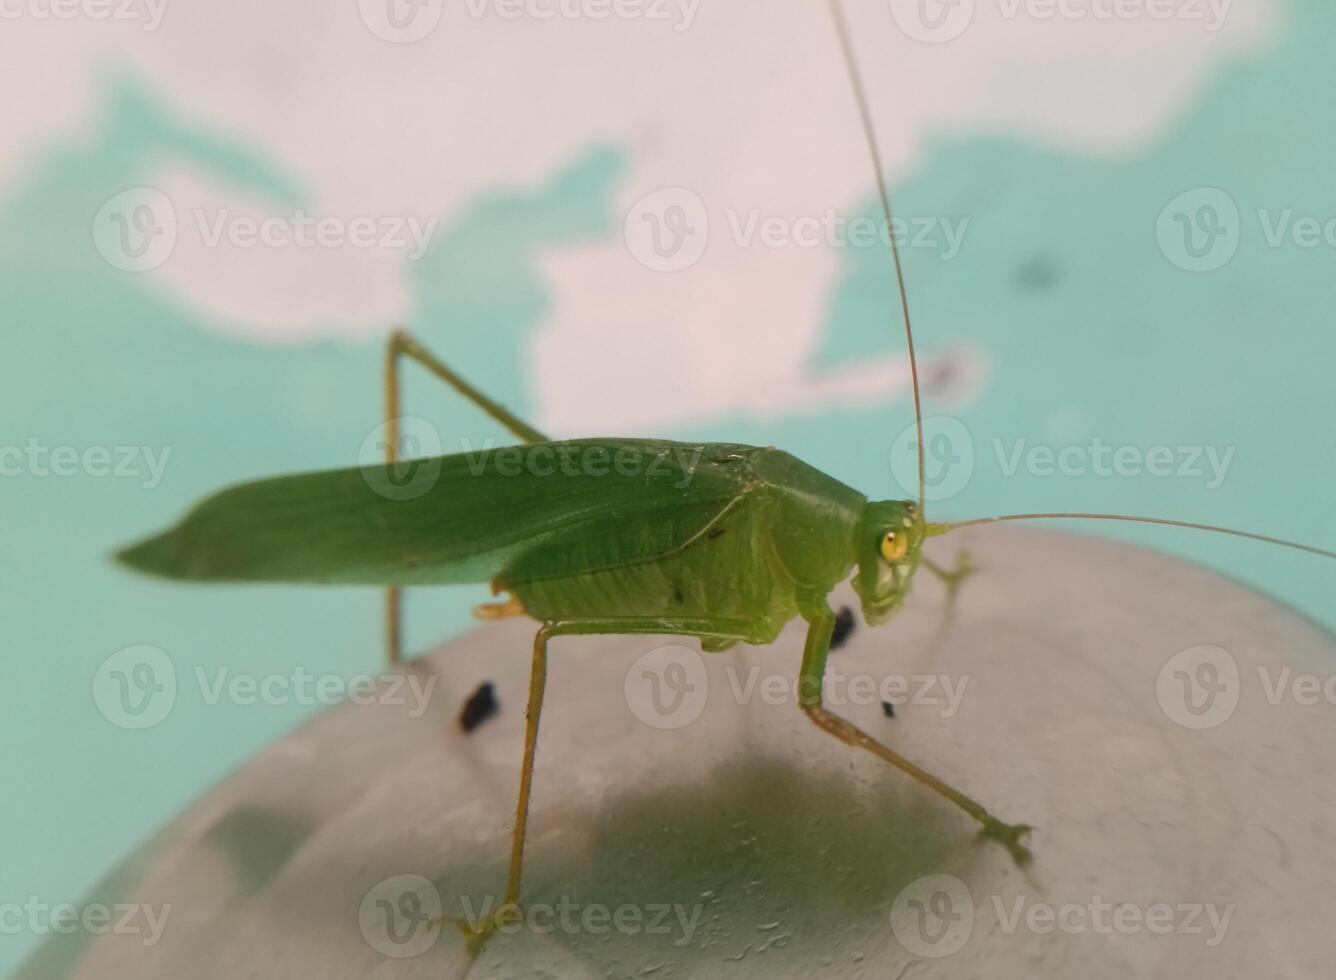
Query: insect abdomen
{"points": [[728, 573]]}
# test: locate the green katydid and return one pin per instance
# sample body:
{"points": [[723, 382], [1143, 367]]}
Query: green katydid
{"points": [[726, 543]]}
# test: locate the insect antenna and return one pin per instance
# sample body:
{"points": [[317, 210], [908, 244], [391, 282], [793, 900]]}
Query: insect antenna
{"points": [[934, 529], [865, 114]]}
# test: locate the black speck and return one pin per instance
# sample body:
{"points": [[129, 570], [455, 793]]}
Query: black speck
{"points": [[1037, 273], [844, 628], [480, 706], [714, 532], [888, 709]]}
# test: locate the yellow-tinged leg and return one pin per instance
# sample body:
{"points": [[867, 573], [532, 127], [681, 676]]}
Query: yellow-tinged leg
{"points": [[478, 933], [499, 610], [821, 623], [402, 344]]}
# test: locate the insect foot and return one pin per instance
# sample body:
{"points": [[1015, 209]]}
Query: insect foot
{"points": [[478, 934], [953, 577], [1009, 836]]}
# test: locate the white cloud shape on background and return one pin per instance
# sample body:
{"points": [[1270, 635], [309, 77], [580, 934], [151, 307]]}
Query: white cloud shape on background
{"points": [[743, 103]]}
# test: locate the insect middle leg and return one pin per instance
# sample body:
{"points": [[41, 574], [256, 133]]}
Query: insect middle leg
{"points": [[400, 345], [479, 933], [821, 623]]}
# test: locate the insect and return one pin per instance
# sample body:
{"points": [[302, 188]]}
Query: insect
{"points": [[723, 542]]}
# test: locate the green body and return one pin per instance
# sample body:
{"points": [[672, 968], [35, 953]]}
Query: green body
{"points": [[739, 537]]}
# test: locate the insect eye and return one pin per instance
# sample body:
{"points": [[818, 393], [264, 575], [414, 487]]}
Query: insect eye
{"points": [[894, 546]]}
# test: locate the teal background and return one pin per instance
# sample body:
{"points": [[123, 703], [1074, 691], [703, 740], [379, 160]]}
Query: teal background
{"points": [[1060, 281]]}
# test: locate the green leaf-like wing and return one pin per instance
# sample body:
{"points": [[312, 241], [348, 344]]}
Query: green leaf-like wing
{"points": [[454, 519]]}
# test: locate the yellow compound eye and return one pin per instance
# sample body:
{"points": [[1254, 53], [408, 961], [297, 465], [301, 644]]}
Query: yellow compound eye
{"points": [[894, 546]]}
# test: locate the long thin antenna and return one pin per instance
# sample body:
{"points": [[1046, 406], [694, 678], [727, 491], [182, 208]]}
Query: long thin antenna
{"points": [[1265, 538], [855, 79]]}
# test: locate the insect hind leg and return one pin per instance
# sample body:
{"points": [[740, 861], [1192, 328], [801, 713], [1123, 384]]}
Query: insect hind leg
{"points": [[400, 345], [821, 625]]}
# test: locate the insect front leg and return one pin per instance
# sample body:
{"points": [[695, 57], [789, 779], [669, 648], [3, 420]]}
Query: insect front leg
{"points": [[400, 345], [821, 622]]}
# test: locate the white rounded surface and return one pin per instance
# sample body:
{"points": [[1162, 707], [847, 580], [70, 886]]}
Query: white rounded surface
{"points": [[1182, 810]]}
